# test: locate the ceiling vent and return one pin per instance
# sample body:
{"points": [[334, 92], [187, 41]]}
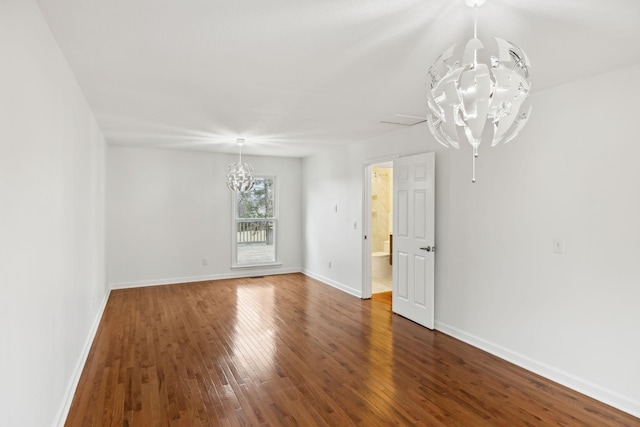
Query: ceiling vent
{"points": [[403, 120]]}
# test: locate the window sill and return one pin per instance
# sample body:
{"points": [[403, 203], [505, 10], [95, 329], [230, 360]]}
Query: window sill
{"points": [[266, 264]]}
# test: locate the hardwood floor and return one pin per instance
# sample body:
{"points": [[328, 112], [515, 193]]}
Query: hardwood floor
{"points": [[288, 350]]}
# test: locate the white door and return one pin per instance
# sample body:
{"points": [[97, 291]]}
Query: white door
{"points": [[413, 238]]}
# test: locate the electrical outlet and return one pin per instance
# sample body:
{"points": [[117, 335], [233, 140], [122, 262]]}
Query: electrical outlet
{"points": [[558, 245], [329, 263], [205, 261]]}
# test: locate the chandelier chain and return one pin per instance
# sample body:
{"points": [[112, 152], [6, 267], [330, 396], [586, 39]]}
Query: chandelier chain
{"points": [[475, 22]]}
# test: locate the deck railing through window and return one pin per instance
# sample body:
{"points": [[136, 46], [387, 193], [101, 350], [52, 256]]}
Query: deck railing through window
{"points": [[252, 231]]}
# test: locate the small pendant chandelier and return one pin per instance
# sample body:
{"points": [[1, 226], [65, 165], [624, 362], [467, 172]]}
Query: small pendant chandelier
{"points": [[240, 175], [477, 89]]}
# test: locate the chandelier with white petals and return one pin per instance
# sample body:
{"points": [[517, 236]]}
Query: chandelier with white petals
{"points": [[479, 92], [240, 175]]}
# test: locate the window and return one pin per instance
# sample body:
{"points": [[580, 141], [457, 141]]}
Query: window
{"points": [[255, 224]]}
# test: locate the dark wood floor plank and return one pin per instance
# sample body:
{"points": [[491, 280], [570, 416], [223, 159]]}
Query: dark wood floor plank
{"points": [[290, 351]]}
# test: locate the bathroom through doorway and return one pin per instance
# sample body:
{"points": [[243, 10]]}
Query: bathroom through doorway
{"points": [[381, 181]]}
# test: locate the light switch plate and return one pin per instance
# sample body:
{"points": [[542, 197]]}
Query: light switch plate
{"points": [[558, 245]]}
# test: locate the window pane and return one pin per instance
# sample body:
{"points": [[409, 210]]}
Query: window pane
{"points": [[257, 202], [255, 223], [255, 242]]}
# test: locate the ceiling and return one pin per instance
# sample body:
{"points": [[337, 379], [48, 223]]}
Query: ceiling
{"points": [[297, 77]]}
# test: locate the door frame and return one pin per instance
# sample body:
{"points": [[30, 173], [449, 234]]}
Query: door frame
{"points": [[367, 167]]}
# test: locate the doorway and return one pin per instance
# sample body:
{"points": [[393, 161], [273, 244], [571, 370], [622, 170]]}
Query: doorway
{"points": [[411, 234], [381, 223]]}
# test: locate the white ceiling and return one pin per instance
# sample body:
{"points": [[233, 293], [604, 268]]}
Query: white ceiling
{"points": [[294, 77]]}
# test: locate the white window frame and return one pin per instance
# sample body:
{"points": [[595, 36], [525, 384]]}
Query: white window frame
{"points": [[275, 219]]}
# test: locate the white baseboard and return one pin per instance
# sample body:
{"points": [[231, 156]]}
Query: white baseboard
{"points": [[63, 412], [606, 396], [333, 283], [231, 275]]}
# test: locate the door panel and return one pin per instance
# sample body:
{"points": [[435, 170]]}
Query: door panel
{"points": [[402, 267], [403, 213], [413, 238], [419, 272], [420, 209]]}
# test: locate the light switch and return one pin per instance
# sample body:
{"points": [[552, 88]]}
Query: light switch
{"points": [[558, 245]]}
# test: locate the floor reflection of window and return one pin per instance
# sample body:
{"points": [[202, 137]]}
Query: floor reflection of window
{"points": [[255, 329]]}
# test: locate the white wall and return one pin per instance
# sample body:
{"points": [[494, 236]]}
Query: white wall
{"points": [[52, 283], [167, 210], [573, 173]]}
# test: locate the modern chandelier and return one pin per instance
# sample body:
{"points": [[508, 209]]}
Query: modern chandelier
{"points": [[240, 175], [478, 92]]}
